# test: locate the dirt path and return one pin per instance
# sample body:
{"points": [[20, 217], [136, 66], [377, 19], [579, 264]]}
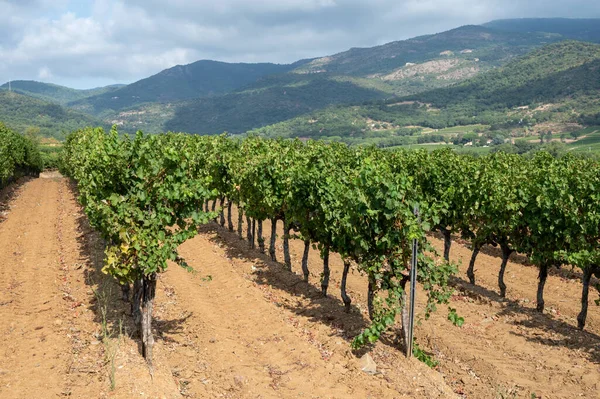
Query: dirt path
{"points": [[52, 299], [30, 300]]}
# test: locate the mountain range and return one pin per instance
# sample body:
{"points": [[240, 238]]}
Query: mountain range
{"points": [[210, 97], [553, 85]]}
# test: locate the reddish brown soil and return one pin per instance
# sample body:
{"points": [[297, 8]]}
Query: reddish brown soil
{"points": [[243, 327], [50, 317]]}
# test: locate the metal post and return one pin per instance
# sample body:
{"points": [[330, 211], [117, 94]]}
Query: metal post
{"points": [[413, 288]]}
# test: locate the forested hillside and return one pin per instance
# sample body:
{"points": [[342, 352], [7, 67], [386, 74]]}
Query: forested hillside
{"points": [[396, 69], [566, 69], [210, 97], [255, 107], [558, 82], [54, 93], [20, 112], [182, 82], [471, 41]]}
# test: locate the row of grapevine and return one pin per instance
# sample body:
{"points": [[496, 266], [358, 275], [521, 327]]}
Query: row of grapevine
{"points": [[545, 208], [18, 156], [149, 194], [146, 195]]}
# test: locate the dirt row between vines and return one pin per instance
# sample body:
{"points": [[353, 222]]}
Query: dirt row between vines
{"points": [[64, 331], [240, 326]]}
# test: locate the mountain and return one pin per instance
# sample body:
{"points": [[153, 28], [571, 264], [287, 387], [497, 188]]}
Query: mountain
{"points": [[563, 70], [352, 77], [20, 112], [54, 93], [466, 42], [182, 82], [211, 97], [576, 29], [265, 104], [393, 70], [555, 86]]}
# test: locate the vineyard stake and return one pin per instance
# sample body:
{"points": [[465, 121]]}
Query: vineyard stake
{"points": [[413, 286]]}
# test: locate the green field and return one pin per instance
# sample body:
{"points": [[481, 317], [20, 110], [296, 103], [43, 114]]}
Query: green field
{"points": [[590, 143], [458, 129]]}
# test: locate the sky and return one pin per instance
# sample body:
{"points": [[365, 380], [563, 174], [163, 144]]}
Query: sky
{"points": [[85, 44]]}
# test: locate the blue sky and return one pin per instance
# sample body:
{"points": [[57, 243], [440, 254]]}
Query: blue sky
{"points": [[89, 43]]}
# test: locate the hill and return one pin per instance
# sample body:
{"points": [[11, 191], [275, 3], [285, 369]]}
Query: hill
{"points": [[556, 72], [20, 112], [466, 42], [182, 82], [210, 96], [395, 69], [259, 106], [552, 88], [54, 93]]}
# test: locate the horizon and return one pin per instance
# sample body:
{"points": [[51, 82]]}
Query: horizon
{"points": [[85, 45], [282, 63]]}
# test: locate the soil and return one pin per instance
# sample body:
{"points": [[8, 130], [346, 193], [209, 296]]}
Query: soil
{"points": [[241, 326], [54, 302]]}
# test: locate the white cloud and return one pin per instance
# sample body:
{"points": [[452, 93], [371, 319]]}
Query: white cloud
{"points": [[125, 40], [44, 73]]}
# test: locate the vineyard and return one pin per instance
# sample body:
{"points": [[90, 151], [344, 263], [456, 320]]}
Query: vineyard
{"points": [[18, 156], [148, 195]]}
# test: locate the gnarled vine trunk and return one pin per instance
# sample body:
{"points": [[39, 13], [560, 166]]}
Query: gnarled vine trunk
{"points": [[506, 251], [286, 244], [249, 230], [471, 269], [222, 212], [213, 207], [543, 275], [136, 304], [347, 300], [447, 243], [371, 297], [240, 222], [305, 260], [273, 238], [260, 238], [229, 218], [149, 292], [326, 271], [253, 235], [587, 276]]}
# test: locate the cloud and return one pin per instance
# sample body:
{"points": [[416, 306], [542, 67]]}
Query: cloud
{"points": [[44, 73], [108, 41]]}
